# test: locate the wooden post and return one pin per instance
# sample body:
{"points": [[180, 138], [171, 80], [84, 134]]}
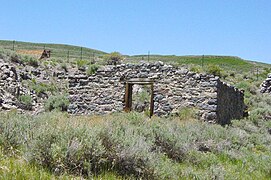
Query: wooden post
{"points": [[81, 53], [68, 56], [130, 96], [202, 60], [152, 101], [13, 44], [257, 73], [126, 109]]}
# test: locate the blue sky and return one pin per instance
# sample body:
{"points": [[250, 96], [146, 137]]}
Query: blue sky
{"points": [[181, 27]]}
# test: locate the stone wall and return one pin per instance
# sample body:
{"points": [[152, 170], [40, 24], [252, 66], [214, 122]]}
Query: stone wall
{"points": [[174, 88], [230, 103], [266, 85]]}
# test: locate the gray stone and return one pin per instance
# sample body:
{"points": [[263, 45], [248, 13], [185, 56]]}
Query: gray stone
{"points": [[210, 116], [212, 102], [173, 87]]}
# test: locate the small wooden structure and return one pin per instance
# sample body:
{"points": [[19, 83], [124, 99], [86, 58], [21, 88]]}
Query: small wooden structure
{"points": [[129, 91], [45, 54]]}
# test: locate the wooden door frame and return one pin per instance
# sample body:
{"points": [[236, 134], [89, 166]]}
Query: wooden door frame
{"points": [[129, 93]]}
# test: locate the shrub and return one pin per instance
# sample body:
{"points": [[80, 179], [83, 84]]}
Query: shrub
{"points": [[195, 69], [64, 67], [14, 131], [113, 58], [15, 58], [92, 69], [59, 102], [187, 113], [232, 74], [26, 100], [81, 64], [130, 145], [214, 70], [42, 88], [30, 61]]}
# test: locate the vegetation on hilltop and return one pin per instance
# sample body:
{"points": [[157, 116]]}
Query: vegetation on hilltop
{"points": [[65, 52]]}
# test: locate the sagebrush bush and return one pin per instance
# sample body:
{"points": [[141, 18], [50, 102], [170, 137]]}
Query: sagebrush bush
{"points": [[58, 102], [26, 100], [196, 69], [81, 64], [214, 70], [134, 146], [41, 88], [30, 61], [113, 58], [64, 67], [92, 69]]}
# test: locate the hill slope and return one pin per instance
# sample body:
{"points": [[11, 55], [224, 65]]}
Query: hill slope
{"points": [[58, 50]]}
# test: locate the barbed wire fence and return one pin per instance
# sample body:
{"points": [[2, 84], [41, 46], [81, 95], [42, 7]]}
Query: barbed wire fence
{"points": [[78, 53], [81, 53]]}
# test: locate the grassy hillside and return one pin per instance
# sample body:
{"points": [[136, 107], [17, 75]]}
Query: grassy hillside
{"points": [[226, 62], [65, 52], [58, 50]]}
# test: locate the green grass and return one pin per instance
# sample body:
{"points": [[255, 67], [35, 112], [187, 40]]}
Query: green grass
{"points": [[18, 168], [225, 62], [129, 145], [60, 53], [58, 50]]}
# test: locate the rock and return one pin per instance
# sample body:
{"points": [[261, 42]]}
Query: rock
{"points": [[212, 102], [210, 116], [8, 106], [197, 76], [167, 108], [204, 148], [158, 97]]}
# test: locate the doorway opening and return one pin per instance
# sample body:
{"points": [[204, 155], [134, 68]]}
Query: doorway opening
{"points": [[129, 93]]}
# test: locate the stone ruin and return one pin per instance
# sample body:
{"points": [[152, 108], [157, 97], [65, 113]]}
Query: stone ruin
{"points": [[266, 85], [174, 88]]}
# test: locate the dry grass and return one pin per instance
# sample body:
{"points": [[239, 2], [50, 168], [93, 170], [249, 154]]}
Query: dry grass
{"points": [[35, 53]]}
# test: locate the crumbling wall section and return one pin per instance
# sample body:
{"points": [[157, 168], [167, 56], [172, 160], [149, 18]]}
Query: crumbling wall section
{"points": [[174, 88], [230, 103]]}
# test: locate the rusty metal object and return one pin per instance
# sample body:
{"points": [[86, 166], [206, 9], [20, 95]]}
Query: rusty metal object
{"points": [[45, 54]]}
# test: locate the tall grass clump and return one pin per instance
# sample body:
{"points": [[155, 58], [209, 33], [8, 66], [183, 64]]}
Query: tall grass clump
{"points": [[92, 69], [57, 102]]}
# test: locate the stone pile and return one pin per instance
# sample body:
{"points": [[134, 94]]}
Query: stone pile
{"points": [[266, 85], [11, 87], [174, 89]]}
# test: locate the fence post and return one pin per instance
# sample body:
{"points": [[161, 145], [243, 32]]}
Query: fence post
{"points": [[68, 56], [148, 56], [13, 44], [93, 58], [257, 73], [202, 59], [81, 52]]}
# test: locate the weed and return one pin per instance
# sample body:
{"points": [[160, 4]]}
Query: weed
{"points": [[92, 69], [59, 102]]}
